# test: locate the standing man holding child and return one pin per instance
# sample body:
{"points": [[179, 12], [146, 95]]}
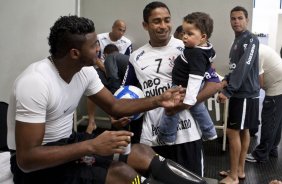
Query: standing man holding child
{"points": [[151, 66], [189, 71]]}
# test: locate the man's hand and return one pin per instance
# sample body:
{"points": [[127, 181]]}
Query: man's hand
{"points": [[172, 97], [221, 98], [110, 142], [100, 65], [223, 84], [120, 123], [275, 182]]}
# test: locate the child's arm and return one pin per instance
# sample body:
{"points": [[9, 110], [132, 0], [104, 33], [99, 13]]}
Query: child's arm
{"points": [[192, 90]]}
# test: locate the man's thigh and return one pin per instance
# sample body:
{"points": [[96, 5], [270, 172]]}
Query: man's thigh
{"points": [[243, 113]]}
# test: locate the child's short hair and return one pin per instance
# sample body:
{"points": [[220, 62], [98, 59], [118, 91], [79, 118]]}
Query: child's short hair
{"points": [[202, 21], [110, 48]]}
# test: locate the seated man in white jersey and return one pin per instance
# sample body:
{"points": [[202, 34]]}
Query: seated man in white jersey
{"points": [[151, 66], [40, 119], [116, 37]]}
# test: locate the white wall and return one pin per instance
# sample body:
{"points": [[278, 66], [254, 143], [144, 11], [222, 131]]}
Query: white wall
{"points": [[265, 20], [103, 13], [279, 34], [25, 27], [24, 30]]}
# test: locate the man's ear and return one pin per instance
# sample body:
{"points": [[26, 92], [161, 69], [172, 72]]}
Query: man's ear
{"points": [[74, 53], [145, 25]]}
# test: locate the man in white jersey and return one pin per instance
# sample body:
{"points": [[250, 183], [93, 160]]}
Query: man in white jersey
{"points": [[151, 66], [40, 118], [116, 37]]}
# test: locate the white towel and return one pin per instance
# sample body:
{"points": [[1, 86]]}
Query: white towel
{"points": [[6, 177]]}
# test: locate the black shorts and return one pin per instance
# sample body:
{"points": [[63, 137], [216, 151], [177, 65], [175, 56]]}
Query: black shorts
{"points": [[189, 155], [83, 171], [243, 113]]}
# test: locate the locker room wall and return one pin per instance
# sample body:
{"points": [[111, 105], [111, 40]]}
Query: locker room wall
{"points": [[104, 13]]}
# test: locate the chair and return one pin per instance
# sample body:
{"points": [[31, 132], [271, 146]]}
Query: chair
{"points": [[3, 126], [217, 106], [222, 127]]}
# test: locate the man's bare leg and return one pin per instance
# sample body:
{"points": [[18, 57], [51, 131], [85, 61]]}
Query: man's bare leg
{"points": [[91, 107], [245, 142], [235, 150]]}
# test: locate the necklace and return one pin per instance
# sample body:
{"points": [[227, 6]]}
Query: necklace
{"points": [[52, 61]]}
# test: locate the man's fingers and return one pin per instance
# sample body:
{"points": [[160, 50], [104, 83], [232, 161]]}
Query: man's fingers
{"points": [[123, 133], [121, 144], [122, 138], [118, 150], [220, 100], [174, 89]]}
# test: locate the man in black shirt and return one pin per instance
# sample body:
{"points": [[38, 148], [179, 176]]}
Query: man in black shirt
{"points": [[241, 86], [115, 65]]}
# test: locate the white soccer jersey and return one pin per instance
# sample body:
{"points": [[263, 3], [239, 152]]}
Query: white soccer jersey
{"points": [[124, 45], [153, 68], [40, 95], [270, 65]]}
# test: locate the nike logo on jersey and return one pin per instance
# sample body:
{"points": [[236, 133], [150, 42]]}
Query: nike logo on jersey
{"points": [[144, 67]]}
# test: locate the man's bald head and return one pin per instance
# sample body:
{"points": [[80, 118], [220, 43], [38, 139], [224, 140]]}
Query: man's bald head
{"points": [[118, 23], [118, 30]]}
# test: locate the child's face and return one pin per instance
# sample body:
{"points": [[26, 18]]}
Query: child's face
{"points": [[192, 36]]}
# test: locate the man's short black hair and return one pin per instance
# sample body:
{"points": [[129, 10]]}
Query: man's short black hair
{"points": [[179, 29], [150, 7], [240, 8], [68, 32]]}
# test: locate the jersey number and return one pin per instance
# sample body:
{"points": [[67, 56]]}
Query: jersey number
{"points": [[160, 61]]}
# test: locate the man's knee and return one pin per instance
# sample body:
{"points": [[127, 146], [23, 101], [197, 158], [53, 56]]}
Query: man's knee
{"points": [[120, 172], [142, 153], [232, 133], [142, 149], [140, 157]]}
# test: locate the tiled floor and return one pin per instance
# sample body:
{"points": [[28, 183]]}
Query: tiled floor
{"points": [[256, 173], [217, 160]]}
